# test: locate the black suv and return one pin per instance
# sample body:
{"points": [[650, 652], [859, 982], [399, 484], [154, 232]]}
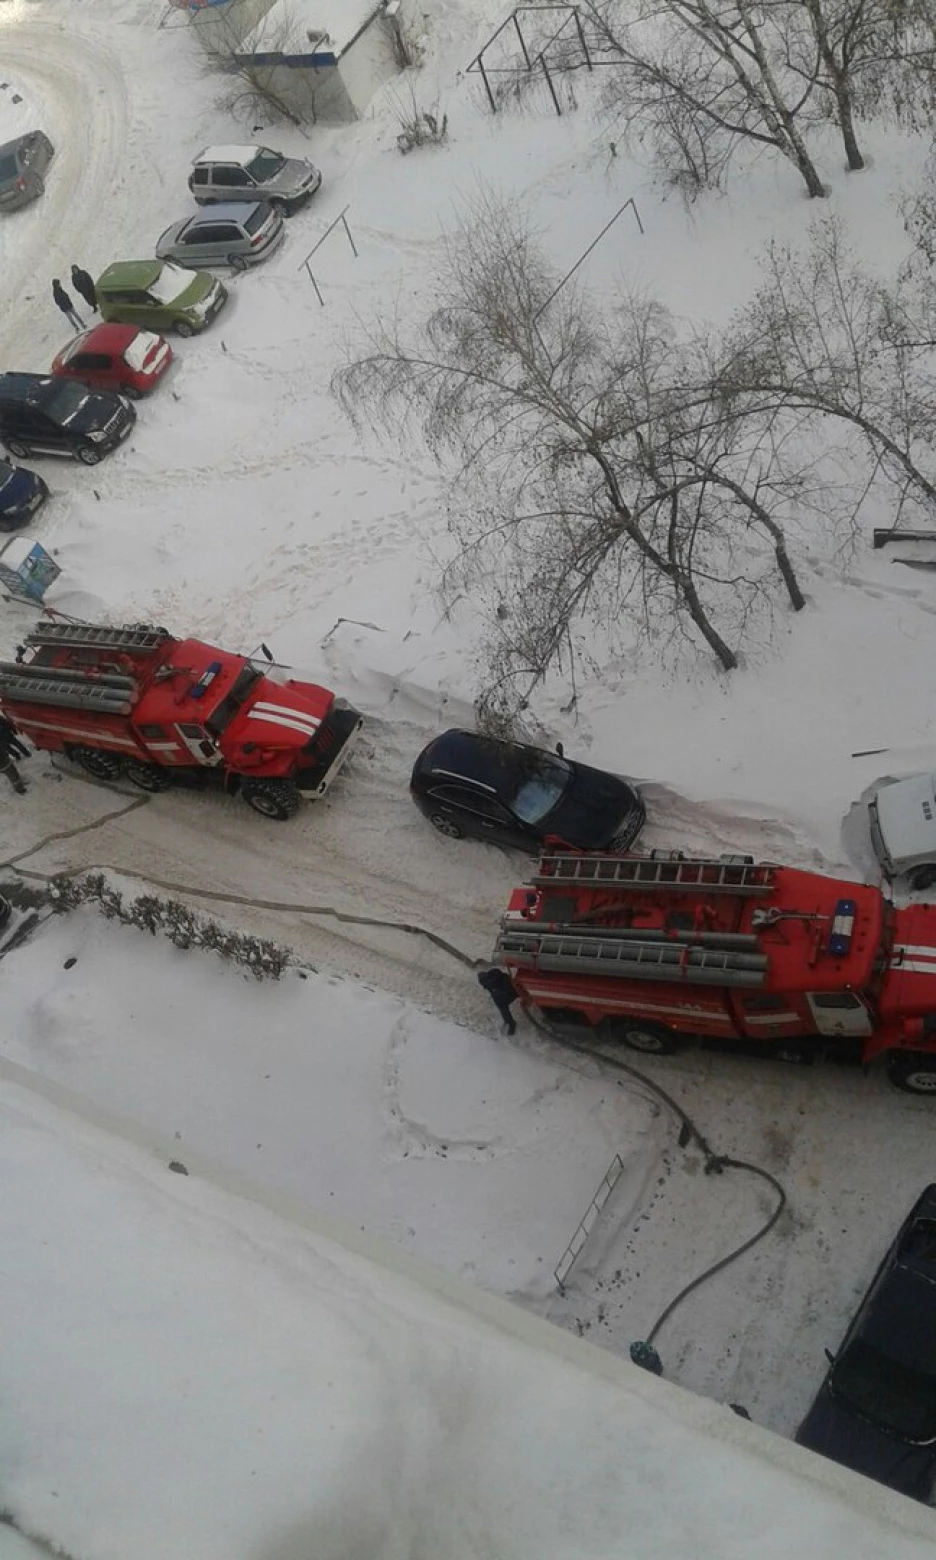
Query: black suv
{"points": [[41, 415]]}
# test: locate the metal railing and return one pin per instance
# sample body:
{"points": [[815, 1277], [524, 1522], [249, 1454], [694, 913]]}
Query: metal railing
{"points": [[305, 266], [587, 1222]]}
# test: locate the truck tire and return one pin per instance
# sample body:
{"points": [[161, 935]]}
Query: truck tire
{"points": [[913, 1071], [277, 799], [149, 777], [651, 1039], [922, 878], [103, 766]]}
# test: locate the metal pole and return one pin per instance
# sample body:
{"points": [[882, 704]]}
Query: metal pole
{"points": [[584, 256], [542, 60], [348, 231], [487, 85], [581, 33], [314, 284], [526, 56]]}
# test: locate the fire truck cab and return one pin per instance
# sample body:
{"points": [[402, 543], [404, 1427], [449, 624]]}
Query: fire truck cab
{"points": [[662, 951], [163, 711]]}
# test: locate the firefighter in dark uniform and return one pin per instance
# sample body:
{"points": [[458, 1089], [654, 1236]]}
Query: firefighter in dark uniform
{"points": [[10, 746], [502, 992]]}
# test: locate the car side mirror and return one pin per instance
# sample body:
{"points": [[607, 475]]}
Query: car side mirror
{"points": [[560, 750], [829, 1356]]}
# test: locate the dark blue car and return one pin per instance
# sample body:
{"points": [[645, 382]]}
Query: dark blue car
{"points": [[876, 1409], [509, 793], [22, 492]]}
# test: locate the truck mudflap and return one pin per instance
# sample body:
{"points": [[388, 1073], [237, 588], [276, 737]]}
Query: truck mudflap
{"points": [[331, 748]]}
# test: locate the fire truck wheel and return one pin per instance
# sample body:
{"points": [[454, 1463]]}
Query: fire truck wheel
{"points": [[273, 798], [446, 826], [915, 1072], [923, 878], [104, 766], [149, 777], [652, 1039]]}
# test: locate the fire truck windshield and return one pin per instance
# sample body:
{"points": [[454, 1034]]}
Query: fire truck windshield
{"points": [[223, 713], [541, 786]]}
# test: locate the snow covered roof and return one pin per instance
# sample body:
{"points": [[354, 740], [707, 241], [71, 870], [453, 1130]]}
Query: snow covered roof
{"points": [[265, 1384], [227, 154], [324, 26]]}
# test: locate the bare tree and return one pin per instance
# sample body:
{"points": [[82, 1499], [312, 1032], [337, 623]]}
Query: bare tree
{"points": [[248, 62], [823, 336], [864, 57], [596, 470], [919, 213], [699, 78]]}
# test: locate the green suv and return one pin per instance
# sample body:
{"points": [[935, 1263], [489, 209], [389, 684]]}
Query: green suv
{"points": [[159, 295]]}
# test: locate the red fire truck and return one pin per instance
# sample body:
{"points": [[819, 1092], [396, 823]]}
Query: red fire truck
{"points": [[165, 711], [661, 951]]}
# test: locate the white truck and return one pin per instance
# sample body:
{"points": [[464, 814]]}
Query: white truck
{"points": [[902, 815]]}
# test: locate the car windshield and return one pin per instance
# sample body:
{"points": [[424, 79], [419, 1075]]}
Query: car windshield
{"points": [[541, 785], [143, 343], [222, 715], [266, 165], [893, 1395], [7, 473], [170, 284], [8, 168], [65, 399]]}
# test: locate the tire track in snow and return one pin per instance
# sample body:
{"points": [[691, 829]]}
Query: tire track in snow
{"points": [[83, 94]]}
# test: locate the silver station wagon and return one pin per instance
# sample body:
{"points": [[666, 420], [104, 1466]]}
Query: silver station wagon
{"points": [[234, 234]]}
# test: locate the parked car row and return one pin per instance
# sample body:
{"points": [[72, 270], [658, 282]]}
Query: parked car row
{"points": [[81, 407]]}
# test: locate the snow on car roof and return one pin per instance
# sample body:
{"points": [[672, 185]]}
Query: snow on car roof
{"points": [[225, 211], [228, 154]]}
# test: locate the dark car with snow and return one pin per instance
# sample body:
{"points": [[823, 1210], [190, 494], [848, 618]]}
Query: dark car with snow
{"points": [[513, 794], [43, 415], [22, 492], [23, 166], [876, 1409]]}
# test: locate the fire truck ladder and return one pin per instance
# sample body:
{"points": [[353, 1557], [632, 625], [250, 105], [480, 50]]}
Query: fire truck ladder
{"points": [[674, 959], [592, 871], [135, 638]]}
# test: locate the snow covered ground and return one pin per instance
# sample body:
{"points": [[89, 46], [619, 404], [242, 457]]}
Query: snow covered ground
{"points": [[193, 1372], [480, 1155], [245, 509]]}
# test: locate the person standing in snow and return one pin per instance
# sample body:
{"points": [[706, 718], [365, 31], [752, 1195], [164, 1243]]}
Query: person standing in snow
{"points": [[10, 744], [63, 302], [84, 286], [502, 992]]}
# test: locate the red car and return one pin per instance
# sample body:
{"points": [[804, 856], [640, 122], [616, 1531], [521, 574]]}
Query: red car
{"points": [[115, 357]]}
